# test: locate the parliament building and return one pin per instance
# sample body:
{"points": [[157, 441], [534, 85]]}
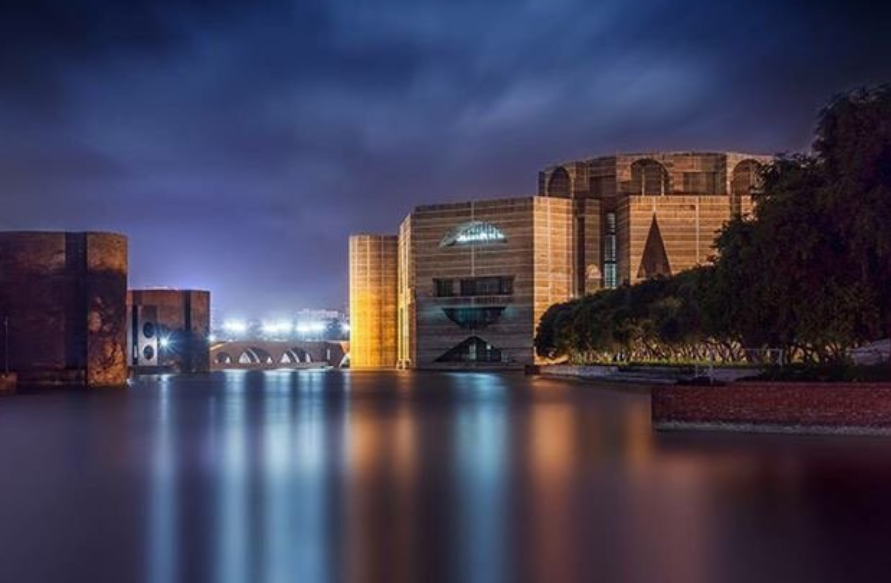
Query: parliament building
{"points": [[464, 285]]}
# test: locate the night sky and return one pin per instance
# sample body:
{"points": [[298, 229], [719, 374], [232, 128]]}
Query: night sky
{"points": [[239, 143]]}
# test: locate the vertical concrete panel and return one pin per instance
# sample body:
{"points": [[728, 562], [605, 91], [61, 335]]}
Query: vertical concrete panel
{"points": [[64, 295], [105, 288], [373, 261]]}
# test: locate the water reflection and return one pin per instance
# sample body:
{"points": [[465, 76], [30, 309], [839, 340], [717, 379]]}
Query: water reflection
{"points": [[162, 555], [314, 476], [482, 445]]}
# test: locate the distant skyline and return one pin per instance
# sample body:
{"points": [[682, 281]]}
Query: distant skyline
{"points": [[238, 144]]}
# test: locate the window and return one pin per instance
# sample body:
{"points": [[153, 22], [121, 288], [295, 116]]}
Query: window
{"points": [[610, 276], [473, 232], [444, 288], [487, 286], [610, 270], [474, 318]]}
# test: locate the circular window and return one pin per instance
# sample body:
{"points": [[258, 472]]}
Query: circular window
{"points": [[148, 353], [148, 330]]}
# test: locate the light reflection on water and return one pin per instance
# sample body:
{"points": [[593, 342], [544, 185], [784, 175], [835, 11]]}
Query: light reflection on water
{"points": [[314, 476]]}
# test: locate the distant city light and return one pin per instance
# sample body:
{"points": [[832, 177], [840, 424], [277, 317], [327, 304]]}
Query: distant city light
{"points": [[308, 327], [344, 327], [235, 326], [272, 328], [212, 338]]}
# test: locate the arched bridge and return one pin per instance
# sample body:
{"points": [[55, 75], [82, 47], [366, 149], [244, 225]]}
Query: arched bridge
{"points": [[262, 354]]}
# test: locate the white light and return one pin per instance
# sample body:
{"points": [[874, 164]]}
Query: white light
{"points": [[235, 326], [271, 328], [165, 342], [307, 327], [345, 327], [212, 338]]}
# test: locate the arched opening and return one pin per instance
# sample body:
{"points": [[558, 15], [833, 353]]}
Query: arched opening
{"points": [[296, 355], [223, 358], [745, 181], [248, 356], [263, 356], [559, 184], [649, 178]]}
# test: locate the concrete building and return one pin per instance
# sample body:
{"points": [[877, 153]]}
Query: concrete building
{"points": [[636, 216], [64, 298], [373, 291], [169, 330], [474, 278]]}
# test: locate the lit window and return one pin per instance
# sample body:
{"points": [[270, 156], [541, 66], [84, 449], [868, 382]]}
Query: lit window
{"points": [[610, 276], [473, 232]]}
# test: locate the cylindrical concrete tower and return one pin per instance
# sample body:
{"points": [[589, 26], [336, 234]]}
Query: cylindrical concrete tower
{"points": [[64, 295], [373, 298]]}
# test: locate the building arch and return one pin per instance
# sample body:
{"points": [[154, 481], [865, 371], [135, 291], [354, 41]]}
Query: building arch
{"points": [[649, 178], [560, 183], [223, 358], [745, 178], [255, 355], [295, 355]]}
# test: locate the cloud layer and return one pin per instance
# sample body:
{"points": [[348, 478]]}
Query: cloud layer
{"points": [[239, 143]]}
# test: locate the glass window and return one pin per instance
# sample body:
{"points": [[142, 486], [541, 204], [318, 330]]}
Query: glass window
{"points": [[610, 276], [473, 232]]}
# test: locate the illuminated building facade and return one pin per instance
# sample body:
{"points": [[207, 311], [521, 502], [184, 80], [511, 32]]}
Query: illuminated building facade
{"points": [[373, 324], [473, 279], [169, 330], [637, 216]]}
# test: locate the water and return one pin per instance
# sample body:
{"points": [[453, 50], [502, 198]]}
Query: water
{"points": [[329, 476]]}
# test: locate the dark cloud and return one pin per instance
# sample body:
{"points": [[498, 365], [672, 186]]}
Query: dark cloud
{"points": [[239, 143]]}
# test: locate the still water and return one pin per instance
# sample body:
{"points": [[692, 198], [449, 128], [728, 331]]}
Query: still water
{"points": [[336, 476]]}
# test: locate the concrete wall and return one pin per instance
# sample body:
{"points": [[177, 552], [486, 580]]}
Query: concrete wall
{"points": [[535, 255], [181, 316], [689, 194], [65, 297], [373, 298]]}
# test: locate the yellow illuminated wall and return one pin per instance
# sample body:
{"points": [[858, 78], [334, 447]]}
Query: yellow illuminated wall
{"points": [[373, 298]]}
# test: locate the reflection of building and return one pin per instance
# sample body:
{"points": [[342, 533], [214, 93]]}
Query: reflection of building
{"points": [[64, 295], [474, 278], [169, 329]]}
